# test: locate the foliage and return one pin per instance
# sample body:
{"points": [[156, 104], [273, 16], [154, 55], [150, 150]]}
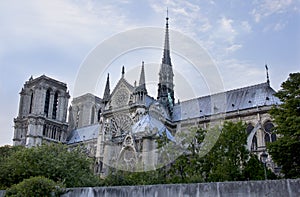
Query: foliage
{"points": [[228, 160], [53, 161], [118, 178], [7, 150], [36, 186], [229, 154], [286, 150]]}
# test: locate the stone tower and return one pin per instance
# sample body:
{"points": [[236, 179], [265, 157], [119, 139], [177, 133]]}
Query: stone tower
{"points": [[42, 112], [166, 85]]}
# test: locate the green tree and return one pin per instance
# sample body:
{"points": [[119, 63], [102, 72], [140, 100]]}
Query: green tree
{"points": [[286, 150], [229, 155], [53, 161], [36, 186]]}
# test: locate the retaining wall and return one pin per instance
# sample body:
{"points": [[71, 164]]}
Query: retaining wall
{"points": [[272, 188]]}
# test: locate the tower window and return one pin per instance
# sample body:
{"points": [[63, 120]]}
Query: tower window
{"points": [[31, 103], [55, 103], [47, 101]]}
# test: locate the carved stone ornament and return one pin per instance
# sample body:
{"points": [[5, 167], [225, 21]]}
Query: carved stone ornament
{"points": [[120, 124], [121, 97]]}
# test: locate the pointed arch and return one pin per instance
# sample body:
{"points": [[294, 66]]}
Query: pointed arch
{"points": [[31, 103], [55, 105], [47, 102]]}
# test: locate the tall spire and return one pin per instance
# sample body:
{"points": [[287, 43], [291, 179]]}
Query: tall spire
{"points": [[106, 95], [166, 85], [166, 57], [142, 76]]}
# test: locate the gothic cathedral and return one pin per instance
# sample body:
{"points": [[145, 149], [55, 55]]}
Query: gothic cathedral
{"points": [[119, 129]]}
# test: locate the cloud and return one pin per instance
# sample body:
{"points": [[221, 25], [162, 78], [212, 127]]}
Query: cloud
{"points": [[234, 47], [226, 29], [266, 8], [239, 72]]}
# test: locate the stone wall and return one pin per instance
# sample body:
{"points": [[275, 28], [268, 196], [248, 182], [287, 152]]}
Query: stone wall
{"points": [[274, 188]]}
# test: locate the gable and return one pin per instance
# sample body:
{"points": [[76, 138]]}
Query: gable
{"points": [[121, 94]]}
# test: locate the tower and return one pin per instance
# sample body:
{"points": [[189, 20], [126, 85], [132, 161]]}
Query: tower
{"points": [[42, 112], [166, 85]]}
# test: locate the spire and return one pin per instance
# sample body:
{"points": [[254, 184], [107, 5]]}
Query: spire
{"points": [[142, 76], [166, 57], [166, 75], [106, 95], [142, 82], [267, 72], [123, 71]]}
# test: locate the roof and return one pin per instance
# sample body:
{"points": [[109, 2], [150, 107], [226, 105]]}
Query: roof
{"points": [[232, 100], [149, 123], [149, 100], [84, 134]]}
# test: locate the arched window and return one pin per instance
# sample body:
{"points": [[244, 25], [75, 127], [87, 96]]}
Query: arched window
{"points": [[270, 136], [268, 126], [93, 115], [273, 137], [55, 103], [31, 103], [254, 143], [249, 128], [267, 137], [47, 101]]}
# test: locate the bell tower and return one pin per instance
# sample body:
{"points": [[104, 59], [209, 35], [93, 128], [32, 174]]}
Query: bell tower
{"points": [[42, 112]]}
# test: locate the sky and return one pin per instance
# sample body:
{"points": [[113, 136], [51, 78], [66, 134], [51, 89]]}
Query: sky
{"points": [[58, 37]]}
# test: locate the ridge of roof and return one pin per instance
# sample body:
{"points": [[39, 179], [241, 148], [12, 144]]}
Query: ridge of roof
{"points": [[265, 84]]}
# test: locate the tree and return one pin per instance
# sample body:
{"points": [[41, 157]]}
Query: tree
{"points": [[229, 155], [36, 186], [286, 150], [53, 161]]}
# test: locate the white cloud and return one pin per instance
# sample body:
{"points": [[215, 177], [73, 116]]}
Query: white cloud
{"points": [[237, 73], [227, 29], [266, 8], [234, 47]]}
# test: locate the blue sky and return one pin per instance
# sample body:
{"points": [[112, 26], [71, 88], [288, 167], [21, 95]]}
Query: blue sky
{"points": [[54, 38]]}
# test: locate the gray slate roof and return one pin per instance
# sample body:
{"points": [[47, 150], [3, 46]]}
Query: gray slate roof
{"points": [[149, 122], [232, 100], [84, 134]]}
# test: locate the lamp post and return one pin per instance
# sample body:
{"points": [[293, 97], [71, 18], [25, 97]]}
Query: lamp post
{"points": [[263, 158]]}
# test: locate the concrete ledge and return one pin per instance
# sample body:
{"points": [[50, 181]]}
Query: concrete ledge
{"points": [[274, 188]]}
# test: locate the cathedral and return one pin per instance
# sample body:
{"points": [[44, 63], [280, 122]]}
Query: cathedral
{"points": [[119, 129]]}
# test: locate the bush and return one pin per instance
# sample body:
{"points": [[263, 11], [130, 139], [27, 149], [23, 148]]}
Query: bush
{"points": [[35, 186]]}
